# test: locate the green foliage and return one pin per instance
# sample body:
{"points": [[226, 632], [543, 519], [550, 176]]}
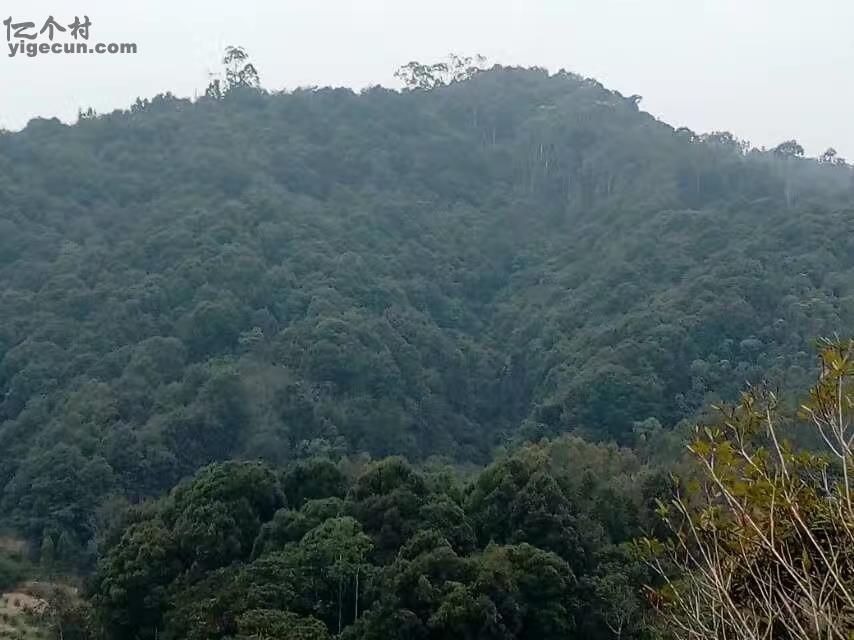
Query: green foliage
{"points": [[263, 624], [12, 570], [761, 534], [535, 591], [240, 74], [65, 616], [416, 75], [56, 494], [130, 587], [508, 256], [313, 479], [396, 557], [388, 498], [319, 278]]}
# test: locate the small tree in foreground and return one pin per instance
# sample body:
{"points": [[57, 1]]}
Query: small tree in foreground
{"points": [[762, 545]]}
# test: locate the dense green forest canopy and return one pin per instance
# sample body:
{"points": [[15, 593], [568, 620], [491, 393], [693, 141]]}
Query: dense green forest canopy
{"points": [[533, 548], [432, 273]]}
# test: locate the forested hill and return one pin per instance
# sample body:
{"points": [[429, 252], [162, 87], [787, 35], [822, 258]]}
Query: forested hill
{"points": [[420, 273]]}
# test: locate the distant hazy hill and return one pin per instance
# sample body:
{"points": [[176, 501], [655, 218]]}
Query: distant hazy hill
{"points": [[425, 273]]}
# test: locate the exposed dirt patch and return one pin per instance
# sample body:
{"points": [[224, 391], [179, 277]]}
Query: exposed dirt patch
{"points": [[20, 602], [12, 546], [17, 612]]}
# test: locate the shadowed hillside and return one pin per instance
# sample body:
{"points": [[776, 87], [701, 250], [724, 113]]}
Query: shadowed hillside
{"points": [[426, 273]]}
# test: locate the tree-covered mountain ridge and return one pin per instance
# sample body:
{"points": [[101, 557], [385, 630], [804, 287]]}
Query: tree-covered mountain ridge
{"points": [[426, 272]]}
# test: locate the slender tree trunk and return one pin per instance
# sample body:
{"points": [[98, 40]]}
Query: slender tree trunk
{"points": [[340, 603], [356, 606]]}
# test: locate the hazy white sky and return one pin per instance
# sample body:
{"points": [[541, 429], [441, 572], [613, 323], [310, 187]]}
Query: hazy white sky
{"points": [[767, 70]]}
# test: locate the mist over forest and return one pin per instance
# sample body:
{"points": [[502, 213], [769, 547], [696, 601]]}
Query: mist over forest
{"points": [[410, 363]]}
